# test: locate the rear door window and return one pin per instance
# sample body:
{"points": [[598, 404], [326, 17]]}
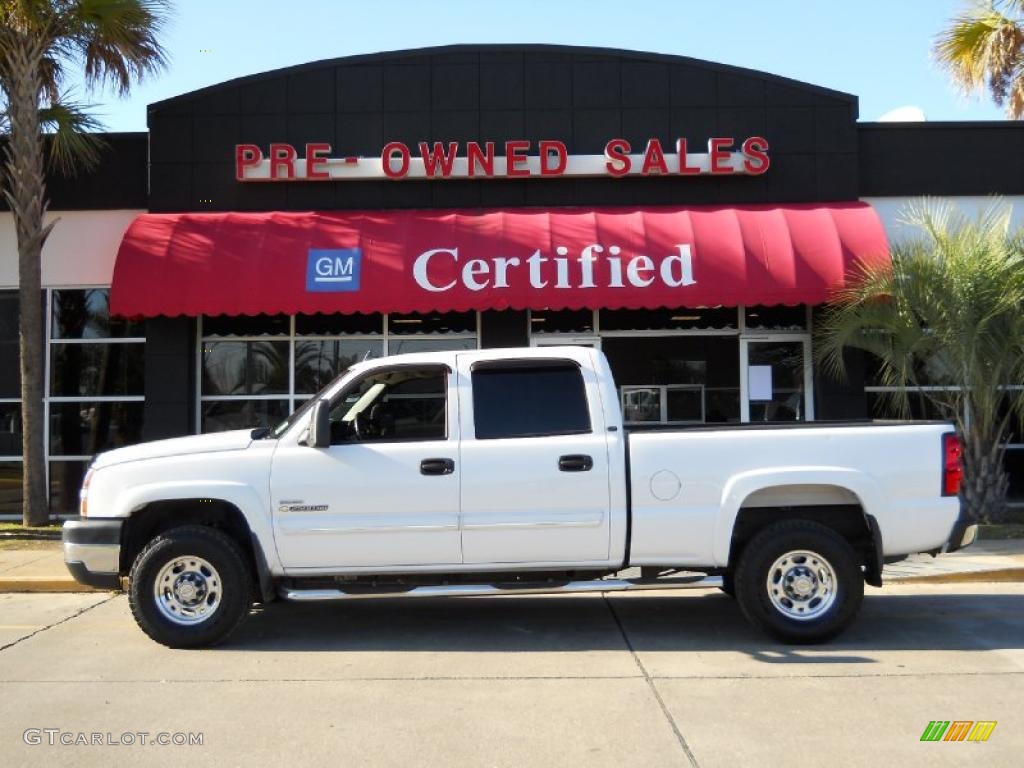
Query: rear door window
{"points": [[529, 399]]}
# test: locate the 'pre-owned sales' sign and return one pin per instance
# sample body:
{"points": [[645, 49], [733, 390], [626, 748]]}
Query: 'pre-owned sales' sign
{"points": [[517, 159]]}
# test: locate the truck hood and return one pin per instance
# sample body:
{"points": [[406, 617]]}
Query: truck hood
{"points": [[235, 440]]}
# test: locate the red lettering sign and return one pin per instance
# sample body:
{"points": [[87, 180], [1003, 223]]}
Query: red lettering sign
{"points": [[515, 156], [282, 156], [482, 158], [435, 157], [755, 155], [316, 159], [616, 152], [246, 156], [684, 164], [654, 159], [549, 150], [387, 155], [442, 160], [718, 148]]}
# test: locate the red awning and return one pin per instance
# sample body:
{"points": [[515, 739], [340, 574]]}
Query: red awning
{"points": [[419, 261]]}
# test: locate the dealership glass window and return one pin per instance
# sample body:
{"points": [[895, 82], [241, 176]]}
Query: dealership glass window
{"points": [[10, 404], [254, 371], [325, 345], [96, 369], [777, 318], [339, 325], [95, 390], [10, 407], [10, 487], [1013, 459], [10, 428], [676, 379], [785, 398], [405, 346], [245, 367], [10, 383], [244, 325], [575, 321], [317, 361], [65, 482], [432, 323], [85, 314], [87, 428], [222, 415], [701, 318]]}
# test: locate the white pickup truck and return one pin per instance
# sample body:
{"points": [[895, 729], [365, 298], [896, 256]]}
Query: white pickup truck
{"points": [[508, 471]]}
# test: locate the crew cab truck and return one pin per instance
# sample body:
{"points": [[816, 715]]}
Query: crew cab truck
{"points": [[501, 472]]}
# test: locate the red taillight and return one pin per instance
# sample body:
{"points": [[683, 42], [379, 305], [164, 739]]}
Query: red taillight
{"points": [[952, 467]]}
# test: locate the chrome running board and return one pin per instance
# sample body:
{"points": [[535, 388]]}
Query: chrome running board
{"points": [[478, 590]]}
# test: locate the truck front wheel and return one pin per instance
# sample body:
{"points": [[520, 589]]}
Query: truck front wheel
{"points": [[799, 581], [190, 587]]}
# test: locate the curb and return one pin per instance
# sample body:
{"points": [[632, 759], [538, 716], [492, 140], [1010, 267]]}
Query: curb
{"points": [[41, 586], [963, 577]]}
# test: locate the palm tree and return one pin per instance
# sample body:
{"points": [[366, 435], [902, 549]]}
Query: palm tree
{"points": [[983, 49], [946, 321], [114, 41]]}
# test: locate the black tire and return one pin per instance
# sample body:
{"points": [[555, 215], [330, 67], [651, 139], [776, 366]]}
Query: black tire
{"points": [[756, 563], [233, 594], [728, 584]]}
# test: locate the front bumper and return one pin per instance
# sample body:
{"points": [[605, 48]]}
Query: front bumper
{"points": [[92, 551]]}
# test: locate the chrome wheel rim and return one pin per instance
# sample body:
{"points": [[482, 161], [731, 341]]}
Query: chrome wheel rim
{"points": [[802, 585], [187, 590]]}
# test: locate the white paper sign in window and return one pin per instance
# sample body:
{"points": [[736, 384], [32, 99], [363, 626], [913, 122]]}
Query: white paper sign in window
{"points": [[759, 382]]}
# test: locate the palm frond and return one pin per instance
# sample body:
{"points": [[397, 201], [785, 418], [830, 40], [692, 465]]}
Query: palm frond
{"points": [[117, 40], [983, 48], [72, 132], [949, 314]]}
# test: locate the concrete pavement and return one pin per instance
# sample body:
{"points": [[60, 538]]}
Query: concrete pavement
{"points": [[631, 679], [42, 569], [983, 561]]}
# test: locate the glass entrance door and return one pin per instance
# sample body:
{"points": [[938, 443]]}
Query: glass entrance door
{"points": [[775, 378]]}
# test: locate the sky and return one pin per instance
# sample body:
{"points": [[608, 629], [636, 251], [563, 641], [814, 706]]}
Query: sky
{"points": [[878, 50]]}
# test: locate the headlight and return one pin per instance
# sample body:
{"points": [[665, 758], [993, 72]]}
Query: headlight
{"points": [[83, 495]]}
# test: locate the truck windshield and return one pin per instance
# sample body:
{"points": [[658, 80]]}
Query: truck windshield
{"points": [[284, 426]]}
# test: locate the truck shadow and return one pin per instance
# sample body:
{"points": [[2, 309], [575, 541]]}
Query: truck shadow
{"points": [[700, 621]]}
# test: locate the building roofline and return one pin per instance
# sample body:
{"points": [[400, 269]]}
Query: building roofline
{"points": [[944, 124], [369, 58]]}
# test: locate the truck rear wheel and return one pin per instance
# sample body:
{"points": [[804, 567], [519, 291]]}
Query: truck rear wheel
{"points": [[190, 587], [800, 582]]}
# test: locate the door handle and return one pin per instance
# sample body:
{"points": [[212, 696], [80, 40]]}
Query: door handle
{"points": [[576, 462], [437, 466]]}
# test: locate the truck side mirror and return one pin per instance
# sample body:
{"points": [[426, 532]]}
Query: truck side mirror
{"points": [[320, 425]]}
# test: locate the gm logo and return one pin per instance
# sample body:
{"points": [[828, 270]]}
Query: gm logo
{"points": [[333, 269]]}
